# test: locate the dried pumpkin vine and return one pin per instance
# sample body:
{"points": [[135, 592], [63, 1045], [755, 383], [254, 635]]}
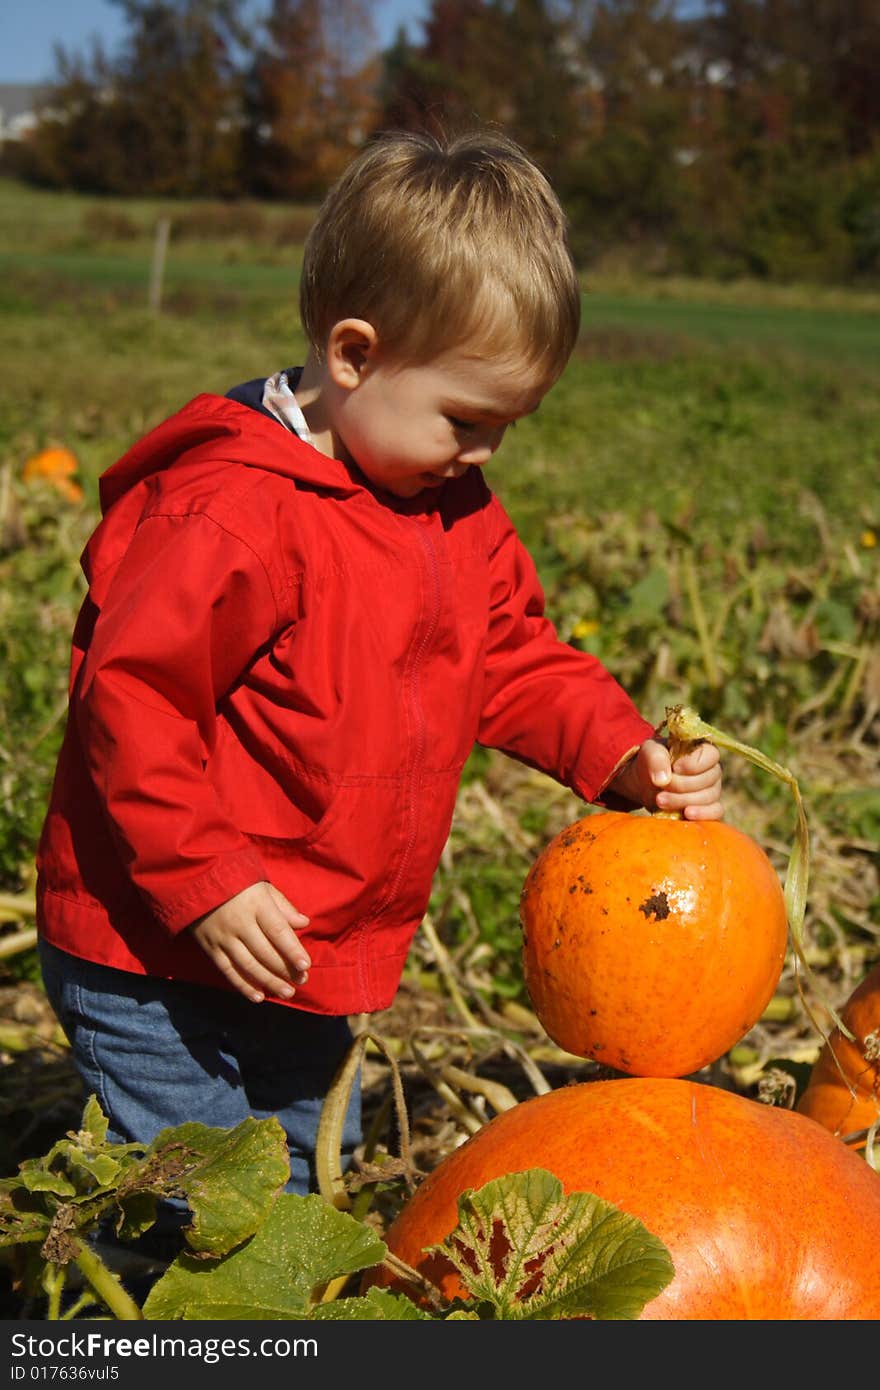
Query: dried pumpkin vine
{"points": [[684, 728]]}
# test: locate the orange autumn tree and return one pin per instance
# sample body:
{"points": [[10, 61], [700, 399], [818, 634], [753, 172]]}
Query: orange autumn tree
{"points": [[310, 97]]}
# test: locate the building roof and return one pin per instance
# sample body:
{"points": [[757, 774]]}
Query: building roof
{"points": [[20, 98]]}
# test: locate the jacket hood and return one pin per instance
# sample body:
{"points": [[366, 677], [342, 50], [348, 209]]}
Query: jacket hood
{"points": [[215, 427]]}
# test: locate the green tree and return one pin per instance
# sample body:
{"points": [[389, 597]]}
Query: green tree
{"points": [[622, 181], [534, 71], [161, 116], [794, 118], [440, 84], [806, 65], [508, 62]]}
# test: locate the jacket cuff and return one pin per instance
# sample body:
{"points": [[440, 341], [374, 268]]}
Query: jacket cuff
{"points": [[611, 800], [220, 883]]}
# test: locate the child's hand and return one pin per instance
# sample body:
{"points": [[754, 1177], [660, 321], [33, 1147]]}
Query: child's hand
{"points": [[251, 941], [692, 786]]}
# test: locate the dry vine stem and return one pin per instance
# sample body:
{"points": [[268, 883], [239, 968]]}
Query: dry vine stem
{"points": [[328, 1149], [447, 971], [685, 727], [447, 1079], [17, 942]]}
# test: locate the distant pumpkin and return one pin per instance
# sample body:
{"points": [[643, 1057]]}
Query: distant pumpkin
{"points": [[843, 1091], [57, 466]]}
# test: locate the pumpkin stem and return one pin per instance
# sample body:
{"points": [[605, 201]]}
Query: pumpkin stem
{"points": [[685, 726], [676, 742]]}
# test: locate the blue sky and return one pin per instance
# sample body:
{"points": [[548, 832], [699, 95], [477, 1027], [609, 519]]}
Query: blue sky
{"points": [[30, 28]]}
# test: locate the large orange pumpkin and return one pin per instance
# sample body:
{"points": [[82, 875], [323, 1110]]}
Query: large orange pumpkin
{"points": [[844, 1095], [764, 1213], [651, 944]]}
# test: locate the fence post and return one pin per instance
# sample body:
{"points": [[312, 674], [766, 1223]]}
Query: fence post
{"points": [[157, 273]]}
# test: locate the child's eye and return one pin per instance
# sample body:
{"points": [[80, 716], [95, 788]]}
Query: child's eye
{"points": [[460, 424]]}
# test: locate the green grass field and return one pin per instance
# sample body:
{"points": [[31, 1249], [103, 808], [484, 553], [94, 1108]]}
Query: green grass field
{"points": [[708, 403]]}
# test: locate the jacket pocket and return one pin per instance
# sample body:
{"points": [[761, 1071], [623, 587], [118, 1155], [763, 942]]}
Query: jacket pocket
{"points": [[302, 824], [268, 796]]}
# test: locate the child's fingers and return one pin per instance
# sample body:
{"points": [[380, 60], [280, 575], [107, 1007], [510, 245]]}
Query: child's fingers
{"points": [[249, 963], [279, 934], [284, 959], [697, 791], [686, 785], [260, 968], [697, 798], [710, 810], [705, 805], [286, 908], [655, 764], [251, 942], [242, 972], [694, 789], [703, 758]]}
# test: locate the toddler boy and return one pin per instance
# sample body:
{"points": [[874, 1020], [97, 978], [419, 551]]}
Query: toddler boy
{"points": [[305, 606]]}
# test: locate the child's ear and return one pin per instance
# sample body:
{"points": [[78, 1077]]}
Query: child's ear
{"points": [[350, 346]]}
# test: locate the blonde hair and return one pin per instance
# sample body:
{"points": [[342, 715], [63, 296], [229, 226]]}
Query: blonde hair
{"points": [[440, 243]]}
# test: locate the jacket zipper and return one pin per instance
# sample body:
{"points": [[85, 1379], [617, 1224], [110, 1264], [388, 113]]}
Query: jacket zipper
{"points": [[414, 771]]}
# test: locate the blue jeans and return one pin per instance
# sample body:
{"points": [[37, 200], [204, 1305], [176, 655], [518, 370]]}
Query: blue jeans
{"points": [[160, 1052]]}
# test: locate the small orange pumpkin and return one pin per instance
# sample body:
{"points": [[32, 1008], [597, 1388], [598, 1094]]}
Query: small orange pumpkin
{"points": [[764, 1214], [844, 1095], [57, 466], [651, 944]]}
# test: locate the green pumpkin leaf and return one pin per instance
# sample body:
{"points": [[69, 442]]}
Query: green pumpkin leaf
{"points": [[377, 1305], [230, 1178], [83, 1164], [523, 1247], [303, 1244], [103, 1168], [37, 1175], [22, 1214], [93, 1130], [137, 1213]]}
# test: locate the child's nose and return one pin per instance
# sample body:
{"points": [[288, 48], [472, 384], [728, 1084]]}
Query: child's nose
{"points": [[479, 451]]}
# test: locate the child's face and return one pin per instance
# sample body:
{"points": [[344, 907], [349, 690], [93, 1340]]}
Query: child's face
{"points": [[413, 427]]}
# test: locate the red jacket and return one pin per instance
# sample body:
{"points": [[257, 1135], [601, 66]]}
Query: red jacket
{"points": [[278, 674]]}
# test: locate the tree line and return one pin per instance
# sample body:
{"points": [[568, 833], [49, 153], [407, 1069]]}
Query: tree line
{"points": [[729, 137]]}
